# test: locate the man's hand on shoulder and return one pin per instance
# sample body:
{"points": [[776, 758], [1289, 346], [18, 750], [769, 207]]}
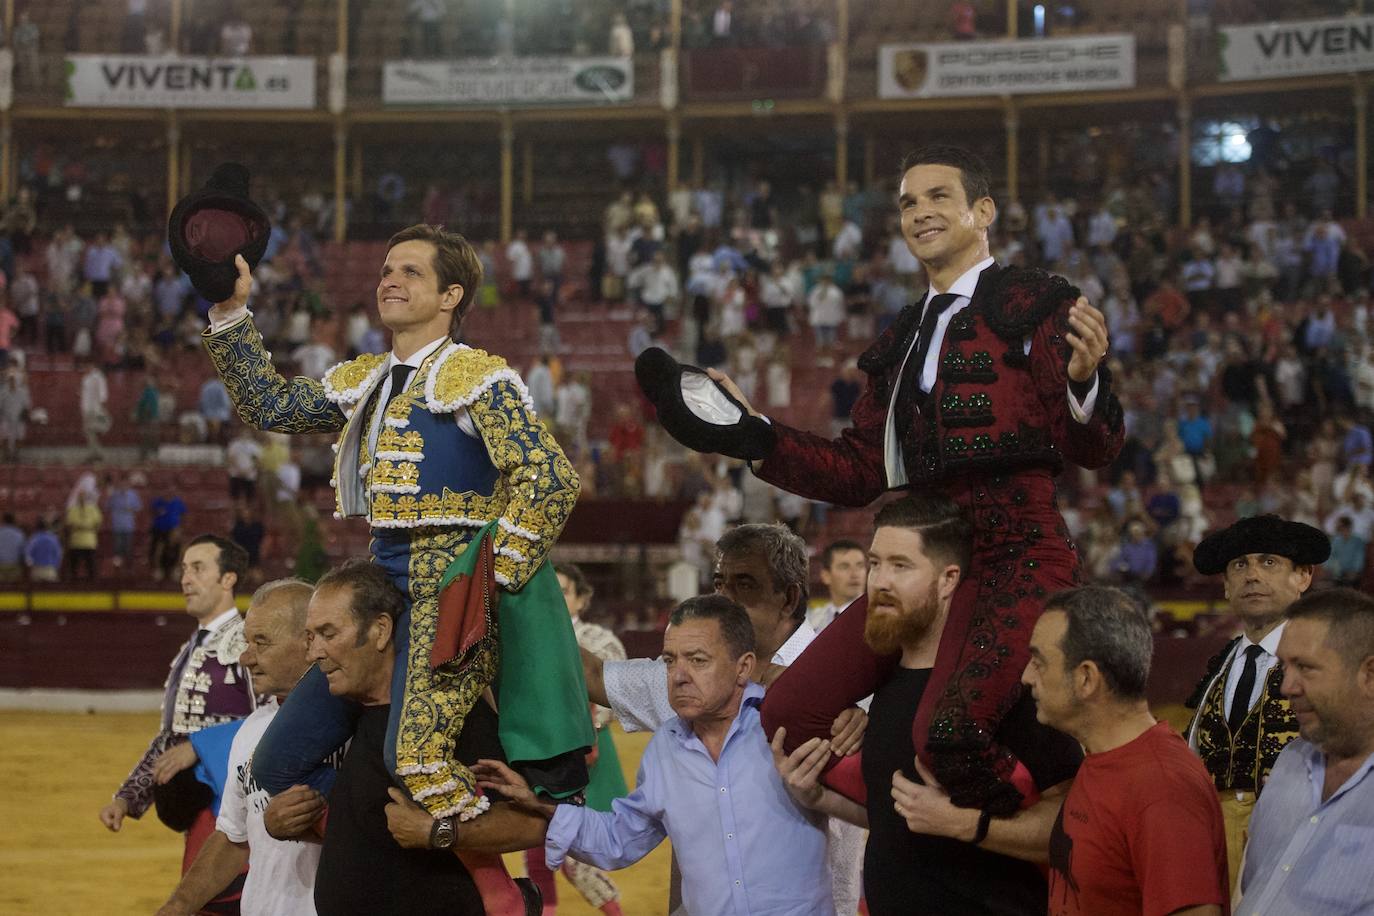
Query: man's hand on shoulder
{"points": [[291, 813]]}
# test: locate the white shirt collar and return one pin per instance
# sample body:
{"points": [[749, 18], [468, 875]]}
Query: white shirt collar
{"points": [[968, 282], [418, 356], [222, 620], [801, 637], [1270, 643]]}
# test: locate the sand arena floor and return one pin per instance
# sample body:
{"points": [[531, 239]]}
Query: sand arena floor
{"points": [[58, 769]]}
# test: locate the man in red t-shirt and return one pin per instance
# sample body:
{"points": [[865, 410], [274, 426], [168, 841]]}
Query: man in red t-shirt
{"points": [[1140, 831]]}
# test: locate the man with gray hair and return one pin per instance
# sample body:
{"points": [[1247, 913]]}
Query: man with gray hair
{"points": [[1310, 838], [1140, 830], [281, 881]]}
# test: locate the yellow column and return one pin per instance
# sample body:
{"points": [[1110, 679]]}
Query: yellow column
{"points": [[340, 179], [341, 11], [355, 179], [173, 157], [1185, 161], [507, 175], [1361, 147], [841, 150], [698, 161], [675, 25], [9, 17], [174, 27], [1011, 18], [527, 172], [674, 144], [6, 154], [1012, 120]]}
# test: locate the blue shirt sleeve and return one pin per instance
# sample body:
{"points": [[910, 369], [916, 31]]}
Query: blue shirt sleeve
{"points": [[212, 750], [608, 839]]}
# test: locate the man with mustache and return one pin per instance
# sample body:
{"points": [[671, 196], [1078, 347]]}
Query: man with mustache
{"points": [[1242, 719], [921, 847]]}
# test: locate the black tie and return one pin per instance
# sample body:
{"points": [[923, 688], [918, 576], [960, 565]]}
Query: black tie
{"points": [[909, 390], [1240, 703], [399, 373]]}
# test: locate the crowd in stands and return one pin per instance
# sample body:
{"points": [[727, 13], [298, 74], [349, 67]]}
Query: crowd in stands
{"points": [[1240, 346]]}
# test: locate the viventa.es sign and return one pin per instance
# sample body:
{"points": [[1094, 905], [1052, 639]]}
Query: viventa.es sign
{"points": [[138, 81], [1303, 47]]}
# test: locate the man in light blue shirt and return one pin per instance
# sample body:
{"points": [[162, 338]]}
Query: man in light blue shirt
{"points": [[706, 782], [1312, 833]]}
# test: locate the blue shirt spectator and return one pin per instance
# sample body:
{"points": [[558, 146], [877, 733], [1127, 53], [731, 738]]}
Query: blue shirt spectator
{"points": [[1358, 446], [1196, 432], [167, 513], [744, 846], [101, 261], [1138, 557], [43, 550], [11, 545], [214, 401], [1346, 564], [123, 506]]}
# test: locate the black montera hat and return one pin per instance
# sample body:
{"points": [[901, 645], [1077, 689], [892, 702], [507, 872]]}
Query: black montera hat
{"points": [[211, 225], [1303, 544], [698, 412], [179, 801]]}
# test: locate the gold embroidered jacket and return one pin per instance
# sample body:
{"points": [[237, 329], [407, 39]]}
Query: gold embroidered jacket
{"points": [[461, 447]]}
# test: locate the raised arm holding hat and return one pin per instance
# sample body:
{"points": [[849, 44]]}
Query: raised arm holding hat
{"points": [[981, 390], [1242, 720], [440, 451]]}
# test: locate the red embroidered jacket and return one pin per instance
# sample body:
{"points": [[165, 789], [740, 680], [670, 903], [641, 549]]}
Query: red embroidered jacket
{"points": [[993, 409]]}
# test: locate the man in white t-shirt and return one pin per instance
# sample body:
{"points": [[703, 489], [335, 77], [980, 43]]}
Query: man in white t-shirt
{"points": [[281, 881]]}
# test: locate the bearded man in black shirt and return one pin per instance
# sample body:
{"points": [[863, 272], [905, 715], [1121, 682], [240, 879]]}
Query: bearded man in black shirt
{"points": [[923, 850]]}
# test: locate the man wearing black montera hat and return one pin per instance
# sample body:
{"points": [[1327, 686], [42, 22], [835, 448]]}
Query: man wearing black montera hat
{"points": [[1242, 720], [440, 451]]}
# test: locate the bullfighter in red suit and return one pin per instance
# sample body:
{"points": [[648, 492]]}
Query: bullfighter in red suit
{"points": [[981, 390]]}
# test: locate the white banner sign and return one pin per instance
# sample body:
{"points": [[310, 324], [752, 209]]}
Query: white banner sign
{"points": [[1299, 48], [513, 80], [911, 71], [138, 81]]}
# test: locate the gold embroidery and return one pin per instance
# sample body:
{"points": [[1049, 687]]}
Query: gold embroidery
{"points": [[437, 702], [462, 374], [261, 396], [344, 381], [391, 474], [391, 439]]}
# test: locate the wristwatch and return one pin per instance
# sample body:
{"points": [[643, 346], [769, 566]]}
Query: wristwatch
{"points": [[443, 833]]}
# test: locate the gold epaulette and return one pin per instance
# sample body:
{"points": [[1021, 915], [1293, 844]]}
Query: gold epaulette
{"points": [[462, 374], [346, 382]]}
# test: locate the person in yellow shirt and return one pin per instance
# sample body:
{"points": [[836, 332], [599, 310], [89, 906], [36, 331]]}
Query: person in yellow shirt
{"points": [[83, 532]]}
